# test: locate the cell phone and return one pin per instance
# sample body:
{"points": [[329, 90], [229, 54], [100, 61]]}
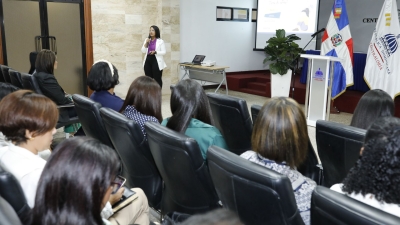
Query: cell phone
{"points": [[149, 37], [118, 183]]}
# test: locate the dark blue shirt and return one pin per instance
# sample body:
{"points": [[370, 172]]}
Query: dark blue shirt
{"points": [[107, 100]]}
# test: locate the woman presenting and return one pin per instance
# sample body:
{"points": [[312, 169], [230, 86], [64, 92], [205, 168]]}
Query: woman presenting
{"points": [[154, 49]]}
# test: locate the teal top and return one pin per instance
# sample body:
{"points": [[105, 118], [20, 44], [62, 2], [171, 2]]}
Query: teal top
{"points": [[205, 135]]}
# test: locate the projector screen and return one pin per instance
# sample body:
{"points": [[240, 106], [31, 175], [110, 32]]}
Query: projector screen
{"points": [[295, 16]]}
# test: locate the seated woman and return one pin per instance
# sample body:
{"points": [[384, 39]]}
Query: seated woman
{"points": [[28, 122], [279, 142], [143, 102], [76, 184], [191, 115], [102, 78], [5, 89], [372, 105], [375, 179]]}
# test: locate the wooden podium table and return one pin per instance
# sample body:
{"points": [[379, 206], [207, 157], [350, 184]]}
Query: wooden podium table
{"points": [[215, 74]]}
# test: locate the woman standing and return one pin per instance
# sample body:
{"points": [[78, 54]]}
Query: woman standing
{"points": [[154, 49]]}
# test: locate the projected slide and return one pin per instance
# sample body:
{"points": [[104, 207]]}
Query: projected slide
{"points": [[295, 16]]}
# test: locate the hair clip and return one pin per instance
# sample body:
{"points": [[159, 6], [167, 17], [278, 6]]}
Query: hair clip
{"points": [[109, 65]]}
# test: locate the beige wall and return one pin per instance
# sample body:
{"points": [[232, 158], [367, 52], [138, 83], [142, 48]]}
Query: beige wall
{"points": [[119, 29]]}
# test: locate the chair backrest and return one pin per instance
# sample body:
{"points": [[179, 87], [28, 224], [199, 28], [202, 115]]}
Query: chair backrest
{"points": [[330, 207], [255, 109], [7, 214], [1, 76], [11, 191], [338, 149], [232, 118], [15, 78], [188, 187], [29, 82], [257, 194], [138, 165], [89, 116], [6, 75], [310, 167]]}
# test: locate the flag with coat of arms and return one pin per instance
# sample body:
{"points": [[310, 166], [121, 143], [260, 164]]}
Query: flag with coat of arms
{"points": [[337, 42], [382, 69]]}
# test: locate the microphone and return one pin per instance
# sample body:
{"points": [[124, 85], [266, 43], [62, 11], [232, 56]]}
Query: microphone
{"points": [[315, 34]]}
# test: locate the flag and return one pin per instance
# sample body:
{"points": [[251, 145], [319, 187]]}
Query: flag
{"points": [[383, 58], [337, 42]]}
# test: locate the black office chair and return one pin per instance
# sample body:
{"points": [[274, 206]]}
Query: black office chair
{"points": [[15, 78], [330, 208], [255, 109], [6, 75], [338, 148], [11, 191], [232, 118], [89, 114], [188, 187], [310, 167], [1, 76], [138, 165], [7, 214], [257, 194], [29, 82]]}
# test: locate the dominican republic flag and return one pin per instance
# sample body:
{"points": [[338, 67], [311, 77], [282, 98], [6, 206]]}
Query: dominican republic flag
{"points": [[382, 70], [337, 42]]}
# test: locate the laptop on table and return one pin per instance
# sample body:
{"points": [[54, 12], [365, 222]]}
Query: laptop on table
{"points": [[197, 60]]}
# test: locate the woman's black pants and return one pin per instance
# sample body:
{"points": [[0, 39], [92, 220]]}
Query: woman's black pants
{"points": [[151, 69]]}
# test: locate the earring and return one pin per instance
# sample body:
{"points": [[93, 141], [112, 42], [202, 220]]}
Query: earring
{"points": [[31, 138]]}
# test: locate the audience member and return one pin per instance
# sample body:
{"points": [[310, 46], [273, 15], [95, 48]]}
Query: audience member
{"points": [[76, 184], [5, 89], [279, 142], [215, 217], [102, 78], [372, 105], [46, 63], [143, 102], [191, 115], [28, 121], [375, 179]]}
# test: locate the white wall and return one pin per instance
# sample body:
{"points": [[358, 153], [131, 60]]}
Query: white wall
{"points": [[228, 43]]}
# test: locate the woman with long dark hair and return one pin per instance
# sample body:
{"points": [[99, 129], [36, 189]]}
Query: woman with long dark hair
{"points": [[372, 105], [154, 49], [280, 143], [143, 102], [76, 184], [191, 115], [375, 179]]}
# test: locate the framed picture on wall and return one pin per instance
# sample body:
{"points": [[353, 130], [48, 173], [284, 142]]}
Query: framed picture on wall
{"points": [[254, 15], [240, 14], [224, 13]]}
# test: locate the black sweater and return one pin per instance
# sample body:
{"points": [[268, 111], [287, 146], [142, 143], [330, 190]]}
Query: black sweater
{"points": [[50, 88]]}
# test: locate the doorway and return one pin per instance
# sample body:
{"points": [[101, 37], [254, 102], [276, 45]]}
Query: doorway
{"points": [[58, 25]]}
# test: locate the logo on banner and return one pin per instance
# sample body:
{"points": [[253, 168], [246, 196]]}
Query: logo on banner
{"points": [[336, 40], [383, 48], [319, 75]]}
